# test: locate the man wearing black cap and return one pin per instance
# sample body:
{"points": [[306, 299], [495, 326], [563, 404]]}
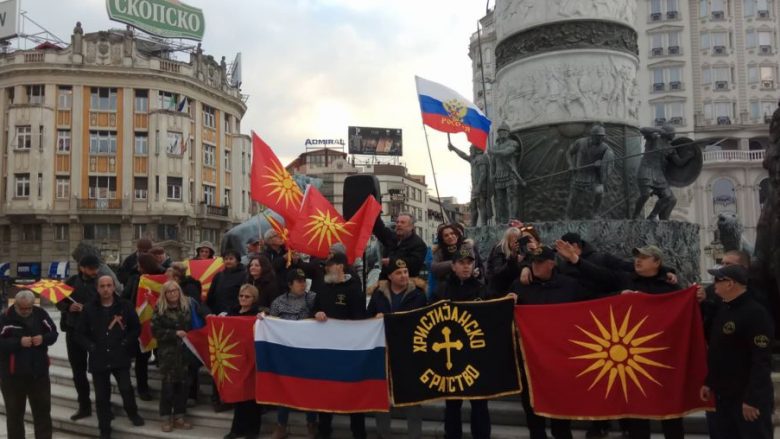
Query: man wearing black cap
{"points": [[340, 297], [740, 360], [84, 286]]}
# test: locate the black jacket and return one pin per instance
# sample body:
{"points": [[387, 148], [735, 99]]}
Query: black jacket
{"points": [[459, 290], [380, 302], [109, 334], [16, 360], [128, 268], [191, 288], [84, 292], [618, 280], [411, 249], [344, 301], [268, 288], [740, 352], [600, 259], [223, 293], [501, 272], [559, 289], [275, 256]]}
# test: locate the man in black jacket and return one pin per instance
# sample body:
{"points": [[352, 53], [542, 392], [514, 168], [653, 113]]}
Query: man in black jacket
{"points": [[84, 291], [129, 265], [223, 293], [740, 360], [109, 331], [26, 332], [402, 243], [341, 297]]}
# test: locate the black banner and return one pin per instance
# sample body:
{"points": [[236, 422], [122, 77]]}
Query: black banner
{"points": [[452, 350]]}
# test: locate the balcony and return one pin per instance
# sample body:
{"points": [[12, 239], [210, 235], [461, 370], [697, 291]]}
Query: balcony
{"points": [[657, 51], [733, 156], [718, 15], [209, 210], [674, 50], [765, 50], [655, 16], [721, 85], [677, 121], [659, 86], [659, 121], [672, 15], [675, 85], [763, 14], [767, 84], [99, 204], [724, 120], [719, 50]]}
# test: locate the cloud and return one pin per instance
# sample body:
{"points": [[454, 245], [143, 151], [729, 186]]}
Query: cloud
{"points": [[314, 67]]}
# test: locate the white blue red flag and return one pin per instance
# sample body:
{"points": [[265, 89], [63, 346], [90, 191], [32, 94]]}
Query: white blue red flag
{"points": [[444, 109], [333, 366]]}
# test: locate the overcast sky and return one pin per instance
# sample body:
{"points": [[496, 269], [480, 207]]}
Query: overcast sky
{"points": [[314, 67]]}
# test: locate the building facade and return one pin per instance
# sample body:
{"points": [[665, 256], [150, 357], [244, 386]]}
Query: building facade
{"points": [[109, 140]]}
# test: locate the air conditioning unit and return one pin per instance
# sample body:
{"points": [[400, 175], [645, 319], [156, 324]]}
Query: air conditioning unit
{"points": [[660, 121], [658, 86], [766, 50], [768, 84], [675, 85], [674, 50], [717, 15], [676, 120], [763, 14], [721, 85], [724, 120], [719, 50], [657, 51], [671, 15], [655, 16]]}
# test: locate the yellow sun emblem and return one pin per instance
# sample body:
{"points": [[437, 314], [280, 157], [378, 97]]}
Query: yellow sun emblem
{"points": [[619, 352], [324, 226], [219, 354], [283, 186], [456, 109]]}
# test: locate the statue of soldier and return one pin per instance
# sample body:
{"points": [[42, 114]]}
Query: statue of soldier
{"points": [[651, 177], [506, 178], [481, 210], [590, 158]]}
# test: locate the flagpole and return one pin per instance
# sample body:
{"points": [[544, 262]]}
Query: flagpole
{"points": [[435, 183]]}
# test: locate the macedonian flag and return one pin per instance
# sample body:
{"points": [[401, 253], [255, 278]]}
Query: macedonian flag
{"points": [[204, 271], [149, 290], [632, 355], [271, 184]]}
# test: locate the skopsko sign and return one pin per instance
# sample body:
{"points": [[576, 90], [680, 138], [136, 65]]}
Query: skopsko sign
{"points": [[164, 18]]}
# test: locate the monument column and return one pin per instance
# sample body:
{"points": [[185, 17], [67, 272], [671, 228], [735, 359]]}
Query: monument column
{"points": [[562, 65]]}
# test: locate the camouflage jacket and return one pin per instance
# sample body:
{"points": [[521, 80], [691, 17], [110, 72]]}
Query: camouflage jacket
{"points": [[172, 354]]}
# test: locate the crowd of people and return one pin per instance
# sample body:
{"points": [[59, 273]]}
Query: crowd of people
{"points": [[102, 328]]}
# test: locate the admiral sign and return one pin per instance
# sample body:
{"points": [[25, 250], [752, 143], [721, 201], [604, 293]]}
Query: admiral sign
{"points": [[164, 18]]}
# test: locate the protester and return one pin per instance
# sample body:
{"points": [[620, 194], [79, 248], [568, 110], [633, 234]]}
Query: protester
{"points": [[402, 243], [398, 293], [171, 321], [504, 263], [205, 250], [340, 297], [223, 293], [147, 264], [296, 304], [274, 246], [84, 286], [162, 258], [740, 360], [449, 239], [26, 332], [254, 247], [246, 414], [262, 276], [109, 331], [129, 266], [460, 285]]}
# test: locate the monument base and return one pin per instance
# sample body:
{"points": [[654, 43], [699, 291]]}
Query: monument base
{"points": [[678, 240]]}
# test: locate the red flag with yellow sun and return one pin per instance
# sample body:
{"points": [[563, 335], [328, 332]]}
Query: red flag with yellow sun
{"points": [[270, 183], [147, 295], [53, 290], [632, 355], [204, 271], [319, 226]]}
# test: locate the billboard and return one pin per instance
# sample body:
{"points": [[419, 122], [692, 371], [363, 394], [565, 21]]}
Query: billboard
{"points": [[164, 18], [9, 19], [375, 141]]}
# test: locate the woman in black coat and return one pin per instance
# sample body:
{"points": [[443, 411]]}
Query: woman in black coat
{"points": [[261, 275], [223, 293]]}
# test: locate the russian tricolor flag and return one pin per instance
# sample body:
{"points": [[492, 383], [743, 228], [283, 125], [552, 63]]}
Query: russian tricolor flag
{"points": [[444, 109], [334, 366]]}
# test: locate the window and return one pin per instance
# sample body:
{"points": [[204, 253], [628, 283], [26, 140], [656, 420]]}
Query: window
{"points": [[703, 8], [61, 232], [724, 196], [140, 231], [102, 187], [674, 39], [141, 144], [672, 6], [167, 232], [657, 41], [63, 188], [718, 39], [174, 188], [40, 185], [227, 161], [103, 99], [31, 232], [211, 235], [226, 201], [767, 108], [243, 201], [755, 110], [142, 101], [22, 182], [655, 7], [750, 39], [704, 40], [749, 8], [101, 232], [24, 137], [209, 155], [64, 97], [175, 146], [718, 6], [140, 188], [721, 74], [767, 74], [166, 100], [35, 94], [209, 195], [765, 38], [63, 140], [243, 163], [723, 109], [102, 142], [209, 117]]}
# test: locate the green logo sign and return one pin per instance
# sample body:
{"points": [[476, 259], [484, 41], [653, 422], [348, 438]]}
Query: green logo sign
{"points": [[165, 18]]}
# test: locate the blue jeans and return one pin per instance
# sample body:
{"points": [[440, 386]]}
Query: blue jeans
{"points": [[283, 414]]}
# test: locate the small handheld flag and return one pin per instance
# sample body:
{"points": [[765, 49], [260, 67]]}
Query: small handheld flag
{"points": [[53, 290]]}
